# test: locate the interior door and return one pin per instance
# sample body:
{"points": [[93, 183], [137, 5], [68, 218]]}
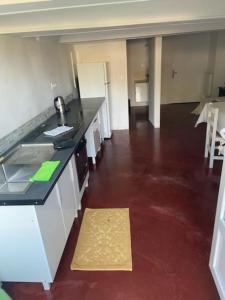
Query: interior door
{"points": [[217, 260], [184, 64]]}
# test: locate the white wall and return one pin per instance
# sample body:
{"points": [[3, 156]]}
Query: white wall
{"points": [[211, 64], [195, 57], [155, 69], [113, 52], [219, 68], [188, 55], [27, 68], [137, 65]]}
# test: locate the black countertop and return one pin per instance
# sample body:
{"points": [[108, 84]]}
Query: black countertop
{"points": [[80, 115]]}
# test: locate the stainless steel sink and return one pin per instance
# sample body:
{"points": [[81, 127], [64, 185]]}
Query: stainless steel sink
{"points": [[20, 164]]}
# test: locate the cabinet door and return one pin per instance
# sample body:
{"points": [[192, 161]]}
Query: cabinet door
{"points": [[90, 142], [67, 197], [51, 226], [101, 121], [97, 140], [96, 134], [93, 137], [76, 184], [105, 120]]}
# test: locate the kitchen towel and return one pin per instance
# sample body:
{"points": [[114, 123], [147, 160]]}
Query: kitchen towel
{"points": [[45, 172]]}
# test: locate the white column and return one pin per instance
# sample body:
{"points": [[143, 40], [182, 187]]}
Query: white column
{"points": [[155, 70]]}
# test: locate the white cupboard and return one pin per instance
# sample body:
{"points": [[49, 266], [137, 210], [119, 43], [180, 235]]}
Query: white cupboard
{"points": [[67, 197], [217, 262], [33, 237], [52, 239], [93, 137]]}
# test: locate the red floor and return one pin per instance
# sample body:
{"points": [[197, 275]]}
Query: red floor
{"points": [[162, 177]]}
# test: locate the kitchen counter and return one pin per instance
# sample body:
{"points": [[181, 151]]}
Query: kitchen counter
{"points": [[80, 115]]}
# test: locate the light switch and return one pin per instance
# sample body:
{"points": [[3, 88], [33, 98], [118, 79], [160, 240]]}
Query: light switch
{"points": [[53, 85]]}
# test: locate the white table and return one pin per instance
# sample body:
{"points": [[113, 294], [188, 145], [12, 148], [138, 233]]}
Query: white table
{"points": [[204, 101], [221, 116]]}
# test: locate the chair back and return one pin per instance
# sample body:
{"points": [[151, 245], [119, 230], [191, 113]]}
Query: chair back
{"points": [[212, 120]]}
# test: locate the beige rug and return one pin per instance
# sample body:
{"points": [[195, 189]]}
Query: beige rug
{"points": [[104, 241]]}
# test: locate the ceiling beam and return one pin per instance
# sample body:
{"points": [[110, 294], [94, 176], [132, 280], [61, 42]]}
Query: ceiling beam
{"points": [[150, 30], [16, 7], [118, 19]]}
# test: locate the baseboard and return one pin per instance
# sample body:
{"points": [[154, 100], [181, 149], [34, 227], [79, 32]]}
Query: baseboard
{"points": [[181, 103]]}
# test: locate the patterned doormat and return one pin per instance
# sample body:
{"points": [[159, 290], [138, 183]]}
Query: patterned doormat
{"points": [[104, 241]]}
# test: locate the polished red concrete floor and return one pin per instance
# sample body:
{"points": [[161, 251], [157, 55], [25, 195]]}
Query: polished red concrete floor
{"points": [[162, 177]]}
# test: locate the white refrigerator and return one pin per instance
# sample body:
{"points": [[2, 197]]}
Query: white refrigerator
{"points": [[93, 83]]}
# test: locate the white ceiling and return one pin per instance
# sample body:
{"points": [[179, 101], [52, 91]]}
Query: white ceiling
{"points": [[81, 20], [10, 2]]}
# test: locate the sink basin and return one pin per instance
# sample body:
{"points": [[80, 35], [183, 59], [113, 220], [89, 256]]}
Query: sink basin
{"points": [[30, 154], [20, 164]]}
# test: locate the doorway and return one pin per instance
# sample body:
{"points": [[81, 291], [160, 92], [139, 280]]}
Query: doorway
{"points": [[138, 79]]}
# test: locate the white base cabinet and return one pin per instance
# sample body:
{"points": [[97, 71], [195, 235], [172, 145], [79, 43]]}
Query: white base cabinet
{"points": [[33, 237], [105, 121], [94, 138], [67, 196]]}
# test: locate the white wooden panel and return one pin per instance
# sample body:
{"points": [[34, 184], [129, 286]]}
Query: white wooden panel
{"points": [[91, 78], [67, 198], [217, 263], [90, 141], [97, 134], [33, 237], [74, 178], [101, 121], [105, 116], [22, 257], [107, 111], [84, 186], [220, 261], [51, 224]]}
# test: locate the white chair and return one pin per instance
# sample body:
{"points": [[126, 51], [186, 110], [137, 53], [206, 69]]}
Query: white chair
{"points": [[214, 142]]}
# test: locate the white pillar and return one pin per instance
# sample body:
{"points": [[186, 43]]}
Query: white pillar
{"points": [[155, 70]]}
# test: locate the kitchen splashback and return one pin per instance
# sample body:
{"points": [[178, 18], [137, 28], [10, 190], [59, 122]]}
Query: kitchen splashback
{"points": [[13, 137]]}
